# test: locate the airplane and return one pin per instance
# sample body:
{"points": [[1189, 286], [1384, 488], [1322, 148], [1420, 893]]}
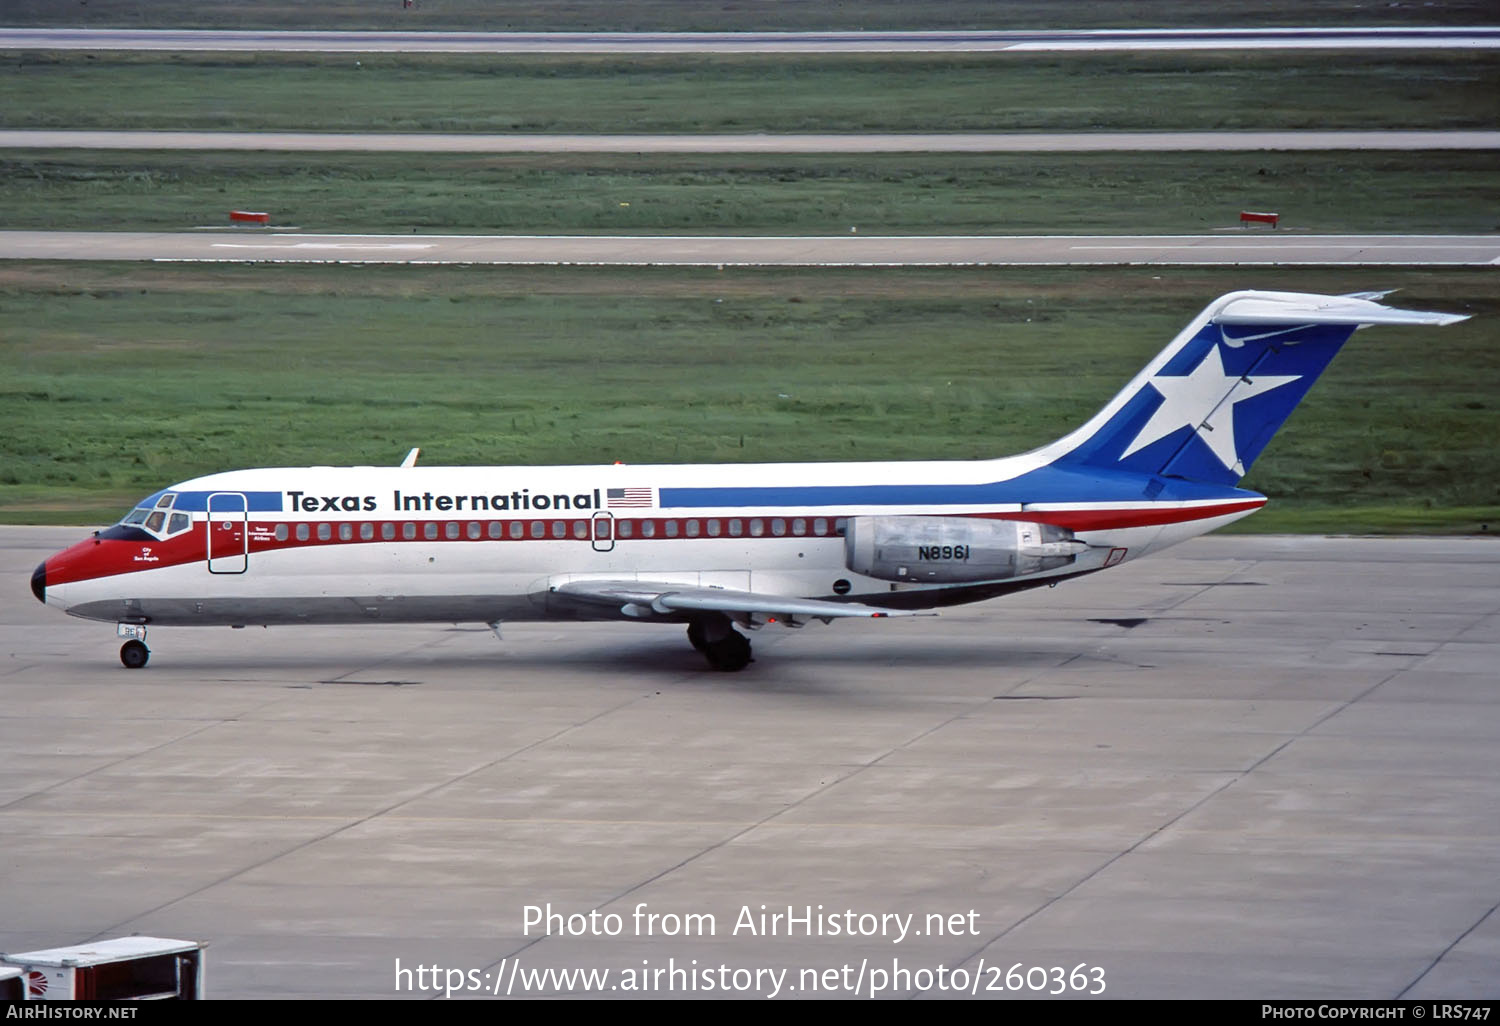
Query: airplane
{"points": [[721, 547]]}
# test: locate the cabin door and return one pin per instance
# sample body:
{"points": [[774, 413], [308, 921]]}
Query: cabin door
{"points": [[228, 537], [603, 532]]}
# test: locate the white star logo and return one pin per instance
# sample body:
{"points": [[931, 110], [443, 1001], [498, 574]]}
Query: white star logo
{"points": [[1204, 400]]}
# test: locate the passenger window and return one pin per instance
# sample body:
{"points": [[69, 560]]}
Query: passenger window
{"points": [[451, 531], [691, 528], [559, 529], [430, 530], [757, 527], [388, 531], [580, 529], [820, 526], [325, 531], [799, 526], [179, 522], [302, 532], [736, 527], [497, 529], [713, 528], [839, 525], [538, 529], [648, 528], [670, 529], [626, 529], [778, 527], [409, 531], [517, 529], [346, 532], [366, 532], [282, 534]]}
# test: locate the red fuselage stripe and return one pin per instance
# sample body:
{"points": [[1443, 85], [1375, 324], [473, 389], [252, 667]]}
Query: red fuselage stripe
{"points": [[95, 558]]}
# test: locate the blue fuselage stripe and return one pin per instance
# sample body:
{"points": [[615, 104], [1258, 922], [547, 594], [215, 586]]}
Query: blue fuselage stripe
{"points": [[832, 495], [197, 502], [1047, 484]]}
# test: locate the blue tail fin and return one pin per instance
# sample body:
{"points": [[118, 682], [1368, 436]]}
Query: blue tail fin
{"points": [[1209, 403]]}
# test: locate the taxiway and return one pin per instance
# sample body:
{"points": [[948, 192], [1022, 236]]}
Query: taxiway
{"points": [[1235, 246], [1470, 37], [1251, 767]]}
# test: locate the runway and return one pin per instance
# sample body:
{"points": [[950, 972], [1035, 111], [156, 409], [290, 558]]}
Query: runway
{"points": [[753, 42], [1252, 767], [1232, 247], [957, 142]]}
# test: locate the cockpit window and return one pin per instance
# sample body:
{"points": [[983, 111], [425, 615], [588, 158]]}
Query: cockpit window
{"points": [[160, 520]]}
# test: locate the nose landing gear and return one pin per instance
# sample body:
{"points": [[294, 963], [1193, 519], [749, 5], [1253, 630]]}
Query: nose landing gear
{"points": [[134, 654]]}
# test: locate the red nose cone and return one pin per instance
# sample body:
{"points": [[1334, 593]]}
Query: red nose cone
{"points": [[39, 582]]}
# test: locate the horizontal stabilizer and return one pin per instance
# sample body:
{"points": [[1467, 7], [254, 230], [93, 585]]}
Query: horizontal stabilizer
{"points": [[1282, 308]]}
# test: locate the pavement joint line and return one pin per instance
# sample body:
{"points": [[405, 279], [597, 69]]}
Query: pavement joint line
{"points": [[9, 807], [1444, 953], [351, 822], [967, 709], [1234, 778]]}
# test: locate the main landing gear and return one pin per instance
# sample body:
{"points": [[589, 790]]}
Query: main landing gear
{"points": [[724, 647]]}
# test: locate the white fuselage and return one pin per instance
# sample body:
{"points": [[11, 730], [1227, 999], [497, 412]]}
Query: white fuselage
{"points": [[488, 544]]}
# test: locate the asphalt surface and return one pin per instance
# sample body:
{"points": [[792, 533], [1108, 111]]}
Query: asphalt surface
{"points": [[958, 142], [753, 42], [1247, 768], [1257, 245]]}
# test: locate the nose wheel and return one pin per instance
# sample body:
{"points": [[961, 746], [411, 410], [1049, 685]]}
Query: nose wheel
{"points": [[134, 654]]}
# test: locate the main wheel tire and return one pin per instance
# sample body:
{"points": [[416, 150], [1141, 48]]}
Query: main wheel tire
{"points": [[698, 635], [134, 654], [729, 654]]}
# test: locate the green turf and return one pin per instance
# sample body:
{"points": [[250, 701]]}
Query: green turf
{"points": [[640, 15], [900, 194], [124, 378], [679, 94]]}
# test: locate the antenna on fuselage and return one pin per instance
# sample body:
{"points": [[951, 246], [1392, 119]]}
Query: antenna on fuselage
{"points": [[411, 458]]}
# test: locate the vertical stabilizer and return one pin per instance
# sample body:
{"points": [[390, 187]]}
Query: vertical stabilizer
{"points": [[1210, 402]]}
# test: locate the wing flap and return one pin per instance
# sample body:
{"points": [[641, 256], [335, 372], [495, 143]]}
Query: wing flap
{"points": [[647, 597]]}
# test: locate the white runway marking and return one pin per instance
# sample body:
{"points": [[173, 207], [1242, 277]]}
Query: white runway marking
{"points": [[1472, 37], [323, 245], [1292, 246]]}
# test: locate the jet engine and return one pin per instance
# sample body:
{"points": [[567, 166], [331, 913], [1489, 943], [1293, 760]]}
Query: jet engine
{"points": [[952, 550]]}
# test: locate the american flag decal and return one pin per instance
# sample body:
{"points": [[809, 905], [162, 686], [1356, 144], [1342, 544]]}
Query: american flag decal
{"points": [[617, 497]]}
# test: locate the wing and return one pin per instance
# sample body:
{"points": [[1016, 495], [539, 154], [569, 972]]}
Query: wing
{"points": [[647, 599]]}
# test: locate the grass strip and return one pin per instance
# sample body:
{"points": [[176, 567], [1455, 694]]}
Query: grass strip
{"points": [[1445, 192], [765, 93], [123, 378], [694, 15]]}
